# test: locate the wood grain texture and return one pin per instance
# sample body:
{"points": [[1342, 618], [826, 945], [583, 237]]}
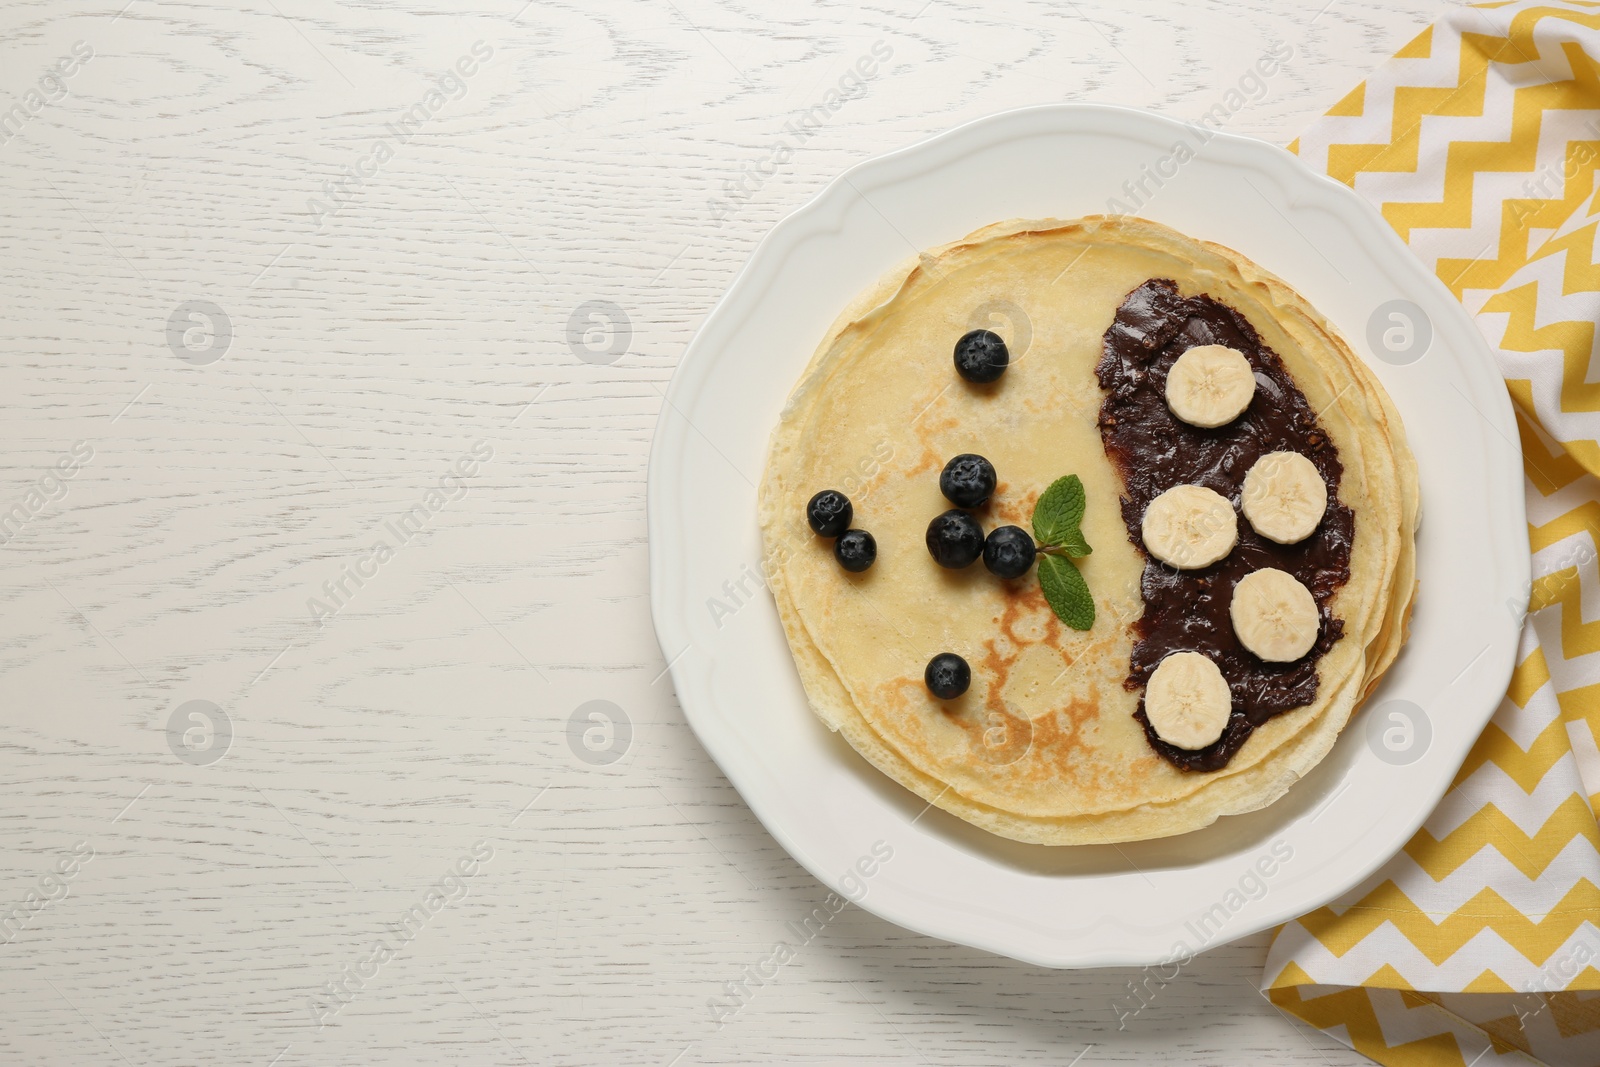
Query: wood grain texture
{"points": [[372, 347]]}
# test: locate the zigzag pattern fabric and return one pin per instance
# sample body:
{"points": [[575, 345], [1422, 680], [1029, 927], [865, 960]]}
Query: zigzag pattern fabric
{"points": [[1479, 944]]}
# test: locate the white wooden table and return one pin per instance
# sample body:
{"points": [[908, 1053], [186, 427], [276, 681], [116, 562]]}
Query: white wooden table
{"points": [[397, 267]]}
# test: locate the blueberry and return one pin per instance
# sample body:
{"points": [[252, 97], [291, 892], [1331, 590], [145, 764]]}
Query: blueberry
{"points": [[947, 676], [1008, 552], [955, 539], [829, 513], [981, 356], [967, 481], [855, 550]]}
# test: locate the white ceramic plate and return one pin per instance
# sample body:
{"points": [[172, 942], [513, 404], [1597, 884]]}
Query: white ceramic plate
{"points": [[1143, 902]]}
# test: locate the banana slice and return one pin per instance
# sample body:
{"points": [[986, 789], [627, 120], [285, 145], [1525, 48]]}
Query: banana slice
{"points": [[1187, 700], [1189, 526], [1274, 615], [1284, 497], [1210, 385]]}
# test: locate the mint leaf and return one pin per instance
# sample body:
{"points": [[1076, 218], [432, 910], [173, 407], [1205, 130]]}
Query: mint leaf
{"points": [[1066, 591], [1059, 512], [1074, 545]]}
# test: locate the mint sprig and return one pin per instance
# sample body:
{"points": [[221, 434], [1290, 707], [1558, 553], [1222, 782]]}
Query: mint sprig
{"points": [[1057, 526]]}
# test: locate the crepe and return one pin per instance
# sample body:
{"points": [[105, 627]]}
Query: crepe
{"points": [[1044, 746]]}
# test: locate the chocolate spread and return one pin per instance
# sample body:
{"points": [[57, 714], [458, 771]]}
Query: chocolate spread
{"points": [[1153, 451]]}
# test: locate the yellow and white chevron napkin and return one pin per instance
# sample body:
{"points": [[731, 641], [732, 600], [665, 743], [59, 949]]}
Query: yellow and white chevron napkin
{"points": [[1479, 944]]}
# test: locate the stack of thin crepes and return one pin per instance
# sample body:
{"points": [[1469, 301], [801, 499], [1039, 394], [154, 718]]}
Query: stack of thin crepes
{"points": [[1044, 746]]}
